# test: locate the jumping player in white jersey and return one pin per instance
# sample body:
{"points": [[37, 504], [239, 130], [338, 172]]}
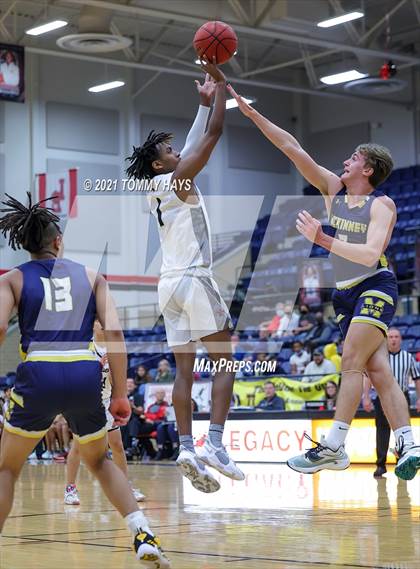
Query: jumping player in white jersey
{"points": [[188, 296], [366, 292], [71, 495]]}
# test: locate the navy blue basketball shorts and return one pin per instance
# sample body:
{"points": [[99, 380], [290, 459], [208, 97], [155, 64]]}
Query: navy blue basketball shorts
{"points": [[45, 389], [372, 301]]}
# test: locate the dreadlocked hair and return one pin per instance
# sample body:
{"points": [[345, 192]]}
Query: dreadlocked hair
{"points": [[31, 227], [143, 156]]}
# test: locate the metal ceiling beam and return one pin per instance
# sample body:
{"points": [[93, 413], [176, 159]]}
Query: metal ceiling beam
{"points": [[381, 21], [349, 26], [416, 6], [289, 63], [264, 32], [264, 13], [309, 68], [128, 51], [3, 27], [184, 72], [159, 72], [239, 11], [156, 41]]}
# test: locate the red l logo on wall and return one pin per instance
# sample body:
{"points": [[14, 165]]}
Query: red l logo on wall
{"points": [[62, 188]]}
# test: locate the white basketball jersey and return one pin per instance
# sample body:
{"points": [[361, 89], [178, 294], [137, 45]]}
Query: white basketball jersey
{"points": [[184, 230], [106, 382]]}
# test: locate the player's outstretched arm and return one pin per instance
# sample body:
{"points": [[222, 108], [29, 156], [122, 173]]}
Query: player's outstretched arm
{"points": [[327, 182], [189, 167], [206, 93], [383, 216]]}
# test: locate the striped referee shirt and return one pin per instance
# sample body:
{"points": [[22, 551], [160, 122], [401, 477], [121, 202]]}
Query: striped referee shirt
{"points": [[403, 366]]}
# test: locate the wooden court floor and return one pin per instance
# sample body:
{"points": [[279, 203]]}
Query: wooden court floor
{"points": [[276, 519]]}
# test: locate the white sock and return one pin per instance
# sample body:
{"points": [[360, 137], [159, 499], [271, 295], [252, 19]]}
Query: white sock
{"points": [[407, 434], [136, 522], [337, 435]]}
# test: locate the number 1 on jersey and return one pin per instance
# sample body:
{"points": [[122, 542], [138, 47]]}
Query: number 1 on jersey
{"points": [[159, 212]]}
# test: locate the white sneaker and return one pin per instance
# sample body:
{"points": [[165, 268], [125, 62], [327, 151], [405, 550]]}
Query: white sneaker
{"points": [[218, 458], [71, 497], [47, 455], [408, 460], [32, 456], [138, 496], [193, 469], [318, 458]]}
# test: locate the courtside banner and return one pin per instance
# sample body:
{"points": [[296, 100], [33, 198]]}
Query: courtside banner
{"points": [[293, 391], [274, 440]]}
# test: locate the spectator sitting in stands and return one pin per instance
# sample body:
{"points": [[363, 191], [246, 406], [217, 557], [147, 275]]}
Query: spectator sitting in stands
{"points": [[164, 373], [331, 393], [156, 412], [294, 319], [237, 351], [141, 379], [248, 369], [299, 359], [285, 325], [306, 320], [136, 402], [320, 333], [142, 375], [319, 367], [270, 327], [271, 401]]}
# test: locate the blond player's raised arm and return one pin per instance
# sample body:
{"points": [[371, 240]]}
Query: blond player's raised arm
{"points": [[327, 182]]}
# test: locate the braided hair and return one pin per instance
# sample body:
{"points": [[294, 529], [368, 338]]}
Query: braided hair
{"points": [[143, 156], [31, 227]]}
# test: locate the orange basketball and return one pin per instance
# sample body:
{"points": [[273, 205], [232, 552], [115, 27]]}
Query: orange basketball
{"points": [[215, 39]]}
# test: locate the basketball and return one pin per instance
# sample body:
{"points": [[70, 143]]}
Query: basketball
{"points": [[215, 40]]}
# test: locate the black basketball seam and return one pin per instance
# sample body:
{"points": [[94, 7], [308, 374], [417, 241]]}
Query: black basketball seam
{"points": [[220, 43], [210, 44]]}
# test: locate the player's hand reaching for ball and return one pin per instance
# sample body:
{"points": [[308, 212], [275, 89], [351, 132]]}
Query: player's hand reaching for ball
{"points": [[120, 409], [308, 226], [213, 70], [206, 90], [245, 109]]}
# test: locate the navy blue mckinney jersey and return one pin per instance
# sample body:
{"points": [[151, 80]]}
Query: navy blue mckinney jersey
{"points": [[351, 225], [57, 307]]}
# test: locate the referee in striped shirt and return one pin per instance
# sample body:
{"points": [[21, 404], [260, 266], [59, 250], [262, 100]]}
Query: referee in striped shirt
{"points": [[403, 366]]}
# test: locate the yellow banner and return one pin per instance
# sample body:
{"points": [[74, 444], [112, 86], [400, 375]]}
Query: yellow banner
{"points": [[293, 391]]}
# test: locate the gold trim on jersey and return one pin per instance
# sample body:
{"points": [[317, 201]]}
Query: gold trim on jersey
{"points": [[85, 439], [63, 356], [359, 280], [17, 398], [362, 202], [379, 294], [22, 433], [373, 321], [339, 318]]}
